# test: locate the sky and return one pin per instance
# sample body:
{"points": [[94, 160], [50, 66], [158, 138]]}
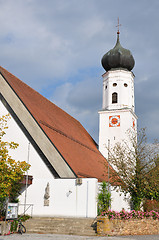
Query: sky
{"points": [[56, 46]]}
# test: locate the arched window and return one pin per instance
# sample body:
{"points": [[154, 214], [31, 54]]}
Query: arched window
{"points": [[114, 97]]}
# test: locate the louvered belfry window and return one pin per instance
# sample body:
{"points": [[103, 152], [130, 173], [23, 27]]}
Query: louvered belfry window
{"points": [[114, 97]]}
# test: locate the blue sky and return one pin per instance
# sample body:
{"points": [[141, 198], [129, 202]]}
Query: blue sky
{"points": [[56, 46]]}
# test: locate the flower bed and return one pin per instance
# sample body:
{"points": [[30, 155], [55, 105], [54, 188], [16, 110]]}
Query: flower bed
{"points": [[130, 215], [128, 223]]}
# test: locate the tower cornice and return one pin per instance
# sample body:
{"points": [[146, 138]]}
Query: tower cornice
{"points": [[114, 111], [117, 70]]}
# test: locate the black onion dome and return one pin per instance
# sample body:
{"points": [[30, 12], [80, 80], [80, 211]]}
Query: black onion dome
{"points": [[118, 57]]}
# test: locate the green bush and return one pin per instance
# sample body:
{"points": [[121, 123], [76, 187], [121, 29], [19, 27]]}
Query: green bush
{"points": [[24, 217], [104, 198], [14, 226]]}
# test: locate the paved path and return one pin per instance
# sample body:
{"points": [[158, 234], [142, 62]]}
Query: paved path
{"points": [[70, 237]]}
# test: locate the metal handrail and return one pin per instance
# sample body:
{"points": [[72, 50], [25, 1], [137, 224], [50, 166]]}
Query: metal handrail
{"points": [[29, 206]]}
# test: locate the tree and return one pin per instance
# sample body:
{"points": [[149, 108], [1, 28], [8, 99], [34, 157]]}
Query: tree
{"points": [[153, 181], [104, 198], [137, 164], [11, 171]]}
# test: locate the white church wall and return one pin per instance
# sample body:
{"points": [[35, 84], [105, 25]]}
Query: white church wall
{"points": [[119, 200], [75, 200], [66, 198]]}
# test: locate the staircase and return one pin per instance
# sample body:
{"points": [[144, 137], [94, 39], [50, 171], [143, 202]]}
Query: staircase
{"points": [[68, 226]]}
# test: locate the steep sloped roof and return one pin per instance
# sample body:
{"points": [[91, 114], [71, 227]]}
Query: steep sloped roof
{"points": [[69, 137]]}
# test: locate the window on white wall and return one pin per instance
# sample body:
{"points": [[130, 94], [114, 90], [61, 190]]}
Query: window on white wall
{"points": [[114, 97]]}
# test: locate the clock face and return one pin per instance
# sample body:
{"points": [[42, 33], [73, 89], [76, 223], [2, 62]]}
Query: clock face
{"points": [[114, 121]]}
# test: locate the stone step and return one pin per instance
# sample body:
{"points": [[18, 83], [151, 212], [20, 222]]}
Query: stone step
{"points": [[81, 225], [53, 224], [87, 220], [73, 226], [59, 227], [66, 232]]}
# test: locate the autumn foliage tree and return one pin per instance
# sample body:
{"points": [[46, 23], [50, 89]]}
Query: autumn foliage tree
{"points": [[11, 171], [137, 164]]}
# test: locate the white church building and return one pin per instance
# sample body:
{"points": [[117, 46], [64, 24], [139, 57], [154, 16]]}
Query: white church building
{"points": [[66, 165]]}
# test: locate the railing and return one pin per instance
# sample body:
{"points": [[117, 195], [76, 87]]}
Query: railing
{"points": [[27, 208]]}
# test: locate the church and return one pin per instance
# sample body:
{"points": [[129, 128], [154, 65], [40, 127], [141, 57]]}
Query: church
{"points": [[66, 165]]}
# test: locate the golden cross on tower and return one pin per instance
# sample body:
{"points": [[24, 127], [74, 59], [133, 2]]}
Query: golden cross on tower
{"points": [[118, 26]]}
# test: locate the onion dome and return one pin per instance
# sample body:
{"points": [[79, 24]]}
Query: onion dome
{"points": [[118, 57]]}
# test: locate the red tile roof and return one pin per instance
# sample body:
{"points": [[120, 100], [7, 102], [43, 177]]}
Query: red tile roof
{"points": [[70, 138]]}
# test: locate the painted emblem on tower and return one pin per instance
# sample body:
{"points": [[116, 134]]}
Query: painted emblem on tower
{"points": [[114, 121], [133, 123]]}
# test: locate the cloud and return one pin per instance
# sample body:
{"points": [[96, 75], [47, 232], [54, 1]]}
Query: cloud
{"points": [[52, 40], [56, 47], [147, 99], [81, 100]]}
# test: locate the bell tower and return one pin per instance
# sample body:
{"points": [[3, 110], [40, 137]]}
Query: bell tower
{"points": [[118, 110]]}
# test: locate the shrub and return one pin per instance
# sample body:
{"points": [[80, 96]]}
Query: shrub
{"points": [[14, 226], [104, 198], [151, 205]]}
